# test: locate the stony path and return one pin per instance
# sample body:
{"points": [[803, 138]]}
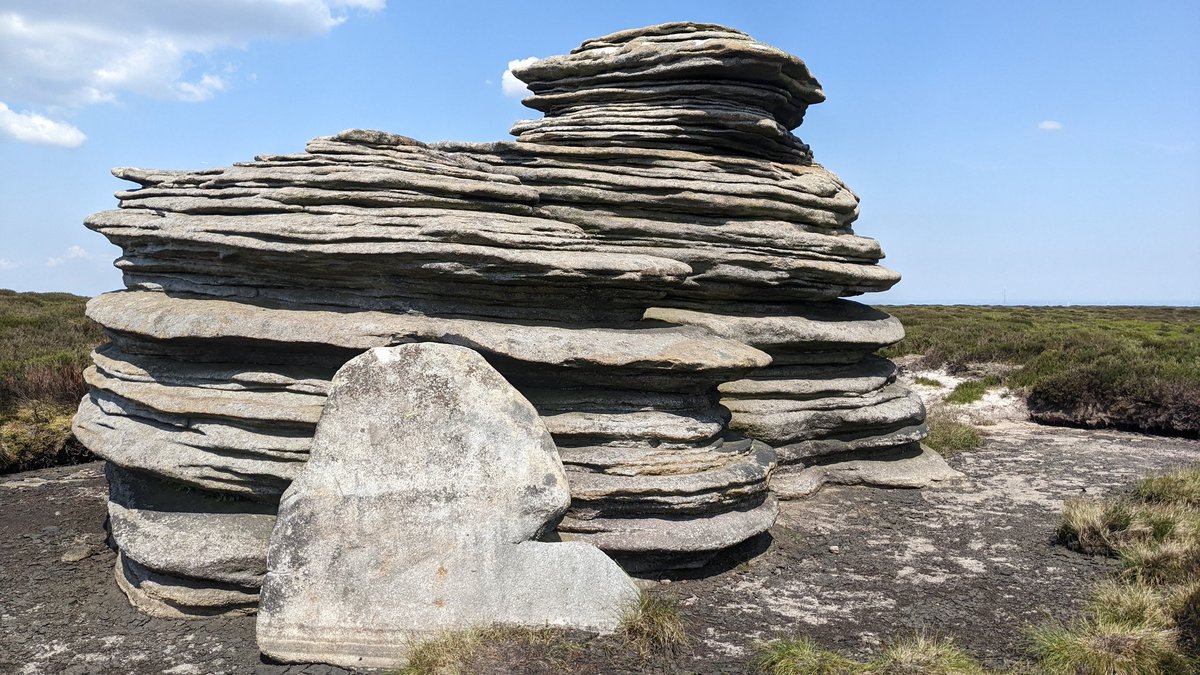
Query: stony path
{"points": [[850, 567]]}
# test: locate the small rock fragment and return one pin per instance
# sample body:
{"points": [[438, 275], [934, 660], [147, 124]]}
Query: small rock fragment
{"points": [[77, 553]]}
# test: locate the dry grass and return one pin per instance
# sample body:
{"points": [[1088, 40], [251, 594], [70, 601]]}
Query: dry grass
{"points": [[446, 654], [1178, 487], [801, 656], [463, 652], [918, 654], [1089, 525], [948, 436], [924, 655], [1096, 647], [45, 341], [1147, 620], [654, 625], [1136, 603], [971, 390], [38, 434]]}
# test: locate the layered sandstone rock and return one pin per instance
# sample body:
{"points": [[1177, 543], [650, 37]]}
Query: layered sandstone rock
{"points": [[658, 234]]}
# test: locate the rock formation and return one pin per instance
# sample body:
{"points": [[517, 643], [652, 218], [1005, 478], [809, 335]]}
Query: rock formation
{"points": [[428, 479], [657, 234]]}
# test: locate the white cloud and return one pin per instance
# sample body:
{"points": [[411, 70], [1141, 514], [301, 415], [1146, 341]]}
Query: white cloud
{"points": [[509, 82], [8, 264], [73, 253], [34, 128], [204, 89], [63, 55], [1050, 125]]}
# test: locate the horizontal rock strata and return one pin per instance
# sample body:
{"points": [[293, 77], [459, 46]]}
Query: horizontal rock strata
{"points": [[658, 234]]}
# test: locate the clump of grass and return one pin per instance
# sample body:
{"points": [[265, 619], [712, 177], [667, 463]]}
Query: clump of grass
{"points": [[801, 656], [918, 654], [1091, 646], [927, 381], [654, 625], [1148, 618], [1137, 604], [948, 436], [38, 434], [1184, 605], [924, 655], [971, 390], [1089, 525], [1177, 487], [461, 652], [1161, 562], [446, 654]]}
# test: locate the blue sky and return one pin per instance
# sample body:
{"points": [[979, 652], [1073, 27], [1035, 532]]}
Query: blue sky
{"points": [[1028, 152]]}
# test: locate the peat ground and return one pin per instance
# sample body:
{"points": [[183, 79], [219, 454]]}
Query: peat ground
{"points": [[849, 567]]}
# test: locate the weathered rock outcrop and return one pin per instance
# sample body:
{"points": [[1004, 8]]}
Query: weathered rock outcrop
{"points": [[429, 480], [658, 234]]}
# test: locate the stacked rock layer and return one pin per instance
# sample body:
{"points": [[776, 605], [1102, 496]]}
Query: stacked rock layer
{"points": [[658, 235]]}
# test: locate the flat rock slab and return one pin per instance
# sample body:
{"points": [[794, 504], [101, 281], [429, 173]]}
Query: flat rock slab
{"points": [[972, 559], [429, 478]]}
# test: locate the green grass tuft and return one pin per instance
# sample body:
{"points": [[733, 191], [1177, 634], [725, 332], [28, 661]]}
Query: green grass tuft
{"points": [[463, 652], [914, 655], [1136, 604], [654, 625], [1147, 620], [928, 381], [923, 655], [1097, 647], [801, 656], [1177, 487], [948, 436], [971, 390]]}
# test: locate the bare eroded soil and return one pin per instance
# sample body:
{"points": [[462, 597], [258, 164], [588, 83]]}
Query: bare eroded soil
{"points": [[851, 567]]}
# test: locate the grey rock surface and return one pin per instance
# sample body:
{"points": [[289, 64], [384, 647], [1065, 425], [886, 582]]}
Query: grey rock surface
{"points": [[657, 264], [429, 480]]}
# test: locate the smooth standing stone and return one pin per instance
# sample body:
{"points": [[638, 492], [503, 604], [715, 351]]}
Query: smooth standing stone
{"points": [[429, 478]]}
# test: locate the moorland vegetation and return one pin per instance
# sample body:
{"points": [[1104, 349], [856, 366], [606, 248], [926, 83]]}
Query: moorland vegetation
{"points": [[45, 341], [1126, 367]]}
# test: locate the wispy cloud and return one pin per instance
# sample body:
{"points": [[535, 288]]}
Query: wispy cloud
{"points": [[509, 82], [64, 55], [8, 264], [1050, 125], [33, 128], [73, 253]]}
